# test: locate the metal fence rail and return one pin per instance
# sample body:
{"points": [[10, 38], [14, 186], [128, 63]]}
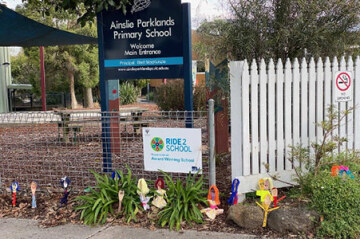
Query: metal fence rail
{"points": [[45, 146]]}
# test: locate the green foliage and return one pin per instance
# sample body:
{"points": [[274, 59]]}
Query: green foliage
{"points": [[336, 199], [128, 93], [199, 99], [324, 150], [213, 35], [85, 9], [25, 71], [170, 96], [100, 202], [281, 29], [151, 96], [142, 83], [338, 202], [183, 199], [67, 67]]}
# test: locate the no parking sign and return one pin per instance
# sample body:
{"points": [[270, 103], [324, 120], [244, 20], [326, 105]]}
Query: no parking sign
{"points": [[343, 86]]}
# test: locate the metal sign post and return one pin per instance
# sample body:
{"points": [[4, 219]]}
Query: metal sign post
{"points": [[105, 122], [188, 85]]}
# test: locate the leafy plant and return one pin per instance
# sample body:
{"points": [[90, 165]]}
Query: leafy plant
{"points": [[96, 206], [100, 202], [128, 93], [336, 199], [170, 96], [323, 151], [183, 199], [338, 202], [131, 201]]}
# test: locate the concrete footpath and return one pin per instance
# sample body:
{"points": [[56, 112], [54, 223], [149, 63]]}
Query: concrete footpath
{"points": [[11, 228]]}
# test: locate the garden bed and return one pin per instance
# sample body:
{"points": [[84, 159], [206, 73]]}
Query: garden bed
{"points": [[49, 214]]}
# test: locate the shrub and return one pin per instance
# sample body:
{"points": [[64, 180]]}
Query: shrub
{"points": [[151, 96], [338, 202], [323, 152], [200, 98], [128, 93], [170, 96], [183, 200], [96, 205]]}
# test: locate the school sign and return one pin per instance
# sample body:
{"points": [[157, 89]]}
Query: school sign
{"points": [[151, 41]]}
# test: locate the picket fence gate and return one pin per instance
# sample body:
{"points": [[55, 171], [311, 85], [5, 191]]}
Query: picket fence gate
{"points": [[275, 107]]}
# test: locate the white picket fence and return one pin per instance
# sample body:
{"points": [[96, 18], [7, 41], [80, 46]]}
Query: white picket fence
{"points": [[274, 107]]}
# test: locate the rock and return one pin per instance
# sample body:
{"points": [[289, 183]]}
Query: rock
{"points": [[246, 216], [292, 220]]}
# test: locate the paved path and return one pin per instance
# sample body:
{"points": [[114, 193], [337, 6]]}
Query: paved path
{"points": [[11, 228]]}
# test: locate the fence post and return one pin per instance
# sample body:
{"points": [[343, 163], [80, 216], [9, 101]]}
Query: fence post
{"points": [[212, 173]]}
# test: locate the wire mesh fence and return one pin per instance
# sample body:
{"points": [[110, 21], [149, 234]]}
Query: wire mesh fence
{"points": [[45, 146]]}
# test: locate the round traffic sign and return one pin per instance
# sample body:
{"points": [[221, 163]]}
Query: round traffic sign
{"points": [[343, 81]]}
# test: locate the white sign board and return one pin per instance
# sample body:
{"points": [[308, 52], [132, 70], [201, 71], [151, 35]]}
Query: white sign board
{"points": [[343, 86], [176, 150]]}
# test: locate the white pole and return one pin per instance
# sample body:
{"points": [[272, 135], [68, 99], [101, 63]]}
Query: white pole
{"points": [[5, 78], [212, 175]]}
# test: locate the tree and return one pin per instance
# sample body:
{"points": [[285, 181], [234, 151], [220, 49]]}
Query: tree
{"points": [[283, 28], [88, 67], [212, 36], [67, 63], [85, 9]]}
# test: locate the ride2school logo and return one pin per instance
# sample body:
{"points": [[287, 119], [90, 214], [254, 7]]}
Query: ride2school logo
{"points": [[157, 144], [172, 145]]}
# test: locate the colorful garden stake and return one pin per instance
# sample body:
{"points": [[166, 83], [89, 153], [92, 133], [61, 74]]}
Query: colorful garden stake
{"points": [[261, 184], [142, 191], [33, 187], [268, 183], [234, 192], [159, 200], [262, 193], [344, 171], [211, 213], [335, 170], [65, 183], [115, 175], [274, 193], [265, 206], [121, 196], [145, 202], [213, 199], [341, 171], [14, 188]]}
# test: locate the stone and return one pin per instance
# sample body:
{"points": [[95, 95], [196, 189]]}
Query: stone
{"points": [[294, 220], [246, 216]]}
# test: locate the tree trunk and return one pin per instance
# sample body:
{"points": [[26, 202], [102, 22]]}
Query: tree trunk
{"points": [[89, 103], [74, 103]]}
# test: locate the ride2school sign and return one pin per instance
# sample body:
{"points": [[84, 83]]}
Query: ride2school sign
{"points": [[145, 43], [174, 150]]}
